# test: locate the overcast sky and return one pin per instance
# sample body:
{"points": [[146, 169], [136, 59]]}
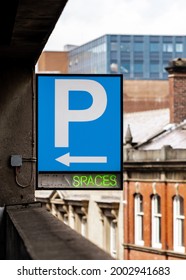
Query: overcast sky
{"points": [[85, 20]]}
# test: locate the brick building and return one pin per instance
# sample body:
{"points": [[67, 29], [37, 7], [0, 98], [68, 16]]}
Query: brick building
{"points": [[50, 61], [155, 182]]}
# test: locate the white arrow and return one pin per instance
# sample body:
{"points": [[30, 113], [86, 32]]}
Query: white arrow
{"points": [[66, 159]]}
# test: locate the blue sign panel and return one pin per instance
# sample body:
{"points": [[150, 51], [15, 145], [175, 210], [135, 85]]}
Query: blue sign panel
{"points": [[79, 123]]}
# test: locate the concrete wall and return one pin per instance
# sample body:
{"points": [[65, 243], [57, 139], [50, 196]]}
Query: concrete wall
{"points": [[43, 237], [16, 132]]}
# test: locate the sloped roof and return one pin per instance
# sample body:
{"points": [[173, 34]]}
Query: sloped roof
{"points": [[151, 130], [144, 124], [174, 135]]}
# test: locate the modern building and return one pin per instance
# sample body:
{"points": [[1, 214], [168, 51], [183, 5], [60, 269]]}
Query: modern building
{"points": [[137, 57], [154, 177]]}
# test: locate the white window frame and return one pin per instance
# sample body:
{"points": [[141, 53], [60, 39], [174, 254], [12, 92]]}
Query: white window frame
{"points": [[138, 219], [178, 223], [156, 222]]}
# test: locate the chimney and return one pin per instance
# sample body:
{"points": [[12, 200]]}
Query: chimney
{"points": [[177, 89]]}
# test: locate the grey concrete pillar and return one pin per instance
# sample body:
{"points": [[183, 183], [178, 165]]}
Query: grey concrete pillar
{"points": [[17, 135]]}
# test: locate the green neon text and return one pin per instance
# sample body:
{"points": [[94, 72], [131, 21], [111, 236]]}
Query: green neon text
{"points": [[108, 180]]}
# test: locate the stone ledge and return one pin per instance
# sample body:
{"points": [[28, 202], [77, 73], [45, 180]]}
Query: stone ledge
{"points": [[45, 237]]}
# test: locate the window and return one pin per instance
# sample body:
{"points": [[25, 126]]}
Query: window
{"points": [[110, 235], [156, 221], [138, 47], [154, 67], [109, 217], [138, 67], [154, 47], [178, 224], [154, 38], [78, 215], [113, 55], [80, 223], [125, 38], [125, 67], [125, 47], [138, 219], [114, 46], [113, 38], [167, 47], [179, 47]]}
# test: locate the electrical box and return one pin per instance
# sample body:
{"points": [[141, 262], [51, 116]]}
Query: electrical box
{"points": [[16, 160]]}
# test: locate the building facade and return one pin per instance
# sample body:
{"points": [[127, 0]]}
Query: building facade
{"points": [[53, 62], [155, 182], [155, 213], [96, 215], [140, 57]]}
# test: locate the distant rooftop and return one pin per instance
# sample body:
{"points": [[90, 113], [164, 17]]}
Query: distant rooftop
{"points": [[69, 47], [172, 135], [144, 124], [151, 130]]}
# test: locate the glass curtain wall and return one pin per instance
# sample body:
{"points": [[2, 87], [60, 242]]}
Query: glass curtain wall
{"points": [[140, 57], [89, 58]]}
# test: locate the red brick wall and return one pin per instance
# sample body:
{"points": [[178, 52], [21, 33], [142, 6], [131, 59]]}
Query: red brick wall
{"points": [[177, 87], [166, 191], [137, 255]]}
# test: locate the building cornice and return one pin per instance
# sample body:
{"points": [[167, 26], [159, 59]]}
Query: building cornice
{"points": [[167, 253]]}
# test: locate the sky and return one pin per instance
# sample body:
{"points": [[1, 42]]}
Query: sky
{"points": [[84, 20]]}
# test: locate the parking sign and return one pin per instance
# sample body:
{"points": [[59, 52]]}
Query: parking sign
{"points": [[79, 123]]}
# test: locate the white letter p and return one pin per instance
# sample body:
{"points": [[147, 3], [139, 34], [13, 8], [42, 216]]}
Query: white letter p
{"points": [[62, 113]]}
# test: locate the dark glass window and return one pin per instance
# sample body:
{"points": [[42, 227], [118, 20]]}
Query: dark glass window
{"points": [[125, 67], [125, 47], [138, 47], [125, 38], [154, 67], [114, 46], [113, 38], [154, 47], [154, 38], [138, 67], [113, 55]]}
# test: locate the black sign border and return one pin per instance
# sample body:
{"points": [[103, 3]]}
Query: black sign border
{"points": [[81, 172]]}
